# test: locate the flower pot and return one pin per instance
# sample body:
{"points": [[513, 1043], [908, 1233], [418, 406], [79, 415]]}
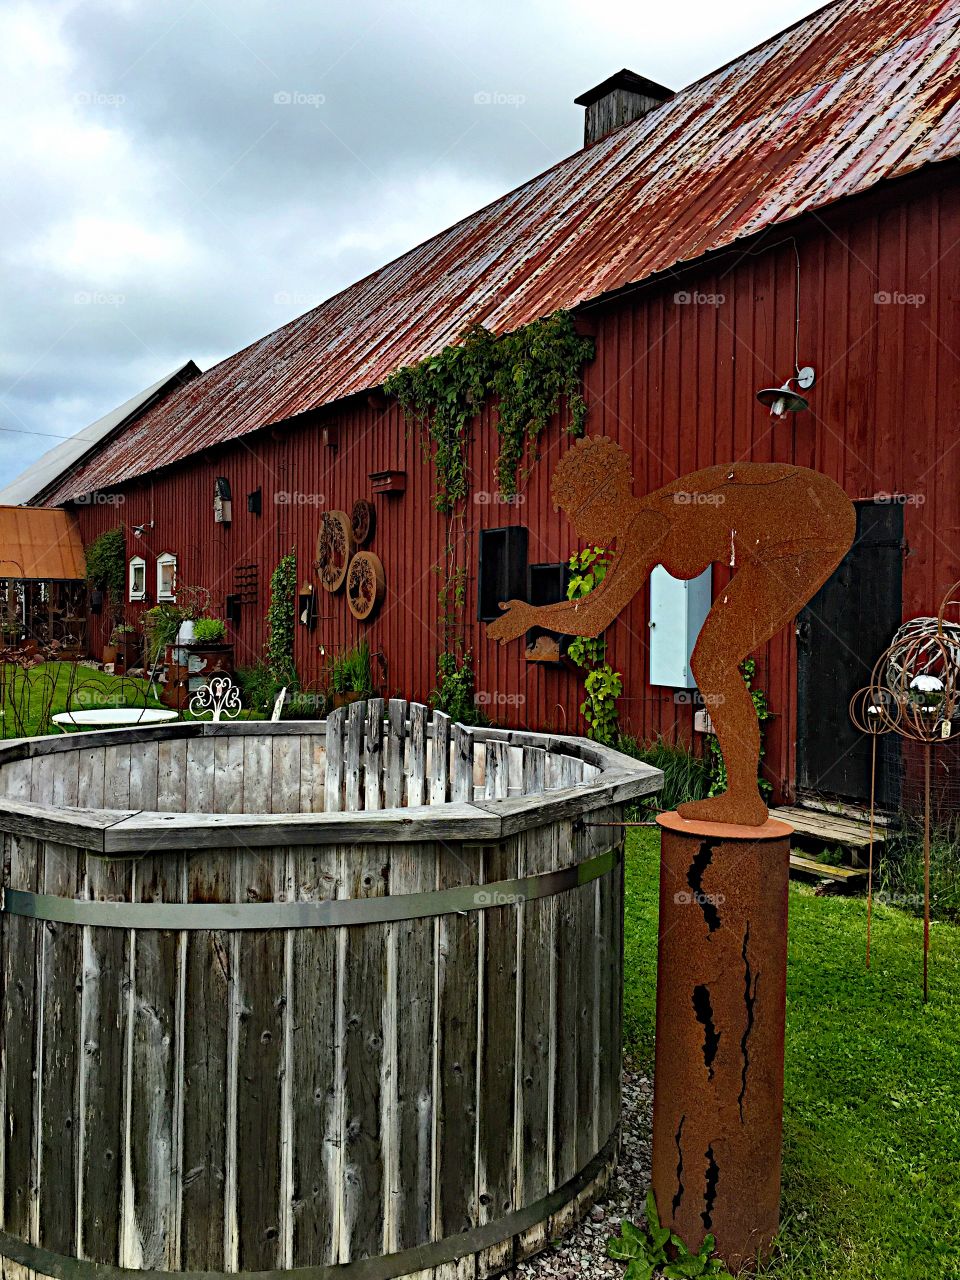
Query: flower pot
{"points": [[109, 654], [344, 699]]}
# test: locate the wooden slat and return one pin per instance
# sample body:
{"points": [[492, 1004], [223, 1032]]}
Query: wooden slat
{"points": [[66, 782], [149, 1237], [144, 775], [259, 1031], [258, 776], [365, 874], [311, 773], [417, 792], [313, 1065], [568, 933], [497, 783], [285, 780], [58, 1065], [103, 1034], [498, 1055], [410, 1191], [459, 942], [207, 1043], [227, 775], [356, 722], [537, 1037], [373, 758], [172, 777], [440, 762], [461, 785], [335, 748], [396, 734], [534, 770], [200, 762], [116, 776], [22, 939]]}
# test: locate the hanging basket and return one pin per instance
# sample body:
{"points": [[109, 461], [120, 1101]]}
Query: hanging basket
{"points": [[363, 518], [366, 585], [334, 549]]}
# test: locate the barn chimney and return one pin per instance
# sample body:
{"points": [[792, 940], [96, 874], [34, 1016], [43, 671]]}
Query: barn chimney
{"points": [[621, 98]]}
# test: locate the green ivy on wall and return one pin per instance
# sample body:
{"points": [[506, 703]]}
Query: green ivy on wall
{"points": [[106, 560], [528, 373], [281, 619], [602, 685]]}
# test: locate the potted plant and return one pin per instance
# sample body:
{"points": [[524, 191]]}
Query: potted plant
{"points": [[350, 678], [208, 650]]}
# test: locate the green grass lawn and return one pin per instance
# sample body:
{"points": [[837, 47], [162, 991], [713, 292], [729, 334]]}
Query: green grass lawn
{"points": [[871, 1166]]}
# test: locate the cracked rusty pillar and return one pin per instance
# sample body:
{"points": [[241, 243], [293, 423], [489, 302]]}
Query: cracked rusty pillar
{"points": [[721, 997]]}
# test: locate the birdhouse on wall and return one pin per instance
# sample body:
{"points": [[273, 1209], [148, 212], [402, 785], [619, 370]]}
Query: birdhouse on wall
{"points": [[221, 501]]}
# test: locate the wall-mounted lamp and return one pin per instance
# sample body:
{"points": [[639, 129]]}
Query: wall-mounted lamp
{"points": [[222, 504], [140, 529], [784, 400]]}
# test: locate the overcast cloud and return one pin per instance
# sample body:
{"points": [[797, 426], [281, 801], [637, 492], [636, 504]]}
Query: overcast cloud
{"points": [[181, 178]]}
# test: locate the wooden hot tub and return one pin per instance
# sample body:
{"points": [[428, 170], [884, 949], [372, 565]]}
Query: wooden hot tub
{"points": [[287, 996]]}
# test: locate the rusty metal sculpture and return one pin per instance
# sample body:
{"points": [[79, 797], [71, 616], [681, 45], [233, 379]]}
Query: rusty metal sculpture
{"points": [[721, 977], [914, 692], [782, 529]]}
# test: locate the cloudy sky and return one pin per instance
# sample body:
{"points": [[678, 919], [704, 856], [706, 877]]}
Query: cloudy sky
{"points": [[180, 178]]}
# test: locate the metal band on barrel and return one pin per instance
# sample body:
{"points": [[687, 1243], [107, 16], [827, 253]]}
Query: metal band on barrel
{"points": [[327, 914], [387, 1267]]}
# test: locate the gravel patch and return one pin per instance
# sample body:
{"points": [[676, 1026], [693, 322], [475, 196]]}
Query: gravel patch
{"points": [[582, 1254]]}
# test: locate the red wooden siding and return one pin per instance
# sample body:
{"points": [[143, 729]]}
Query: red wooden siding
{"points": [[675, 384]]}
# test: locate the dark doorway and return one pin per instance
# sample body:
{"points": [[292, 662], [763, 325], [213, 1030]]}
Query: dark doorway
{"points": [[840, 635]]}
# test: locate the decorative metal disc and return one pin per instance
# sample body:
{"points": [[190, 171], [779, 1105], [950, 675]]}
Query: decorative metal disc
{"points": [[366, 585], [364, 519], [334, 549]]}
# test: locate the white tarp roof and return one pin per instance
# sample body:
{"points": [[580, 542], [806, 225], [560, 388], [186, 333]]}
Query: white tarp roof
{"points": [[42, 473]]}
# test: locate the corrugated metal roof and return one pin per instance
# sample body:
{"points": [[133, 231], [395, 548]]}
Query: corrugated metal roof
{"points": [[40, 543], [861, 91], [49, 466]]}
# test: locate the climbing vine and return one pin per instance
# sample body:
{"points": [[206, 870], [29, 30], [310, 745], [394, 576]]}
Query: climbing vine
{"points": [[528, 373], [602, 684], [718, 769], [106, 560], [281, 616]]}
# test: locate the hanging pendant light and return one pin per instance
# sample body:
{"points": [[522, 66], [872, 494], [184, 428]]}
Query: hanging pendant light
{"points": [[784, 400]]}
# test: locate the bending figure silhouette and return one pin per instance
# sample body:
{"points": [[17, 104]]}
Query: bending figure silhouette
{"points": [[782, 530]]}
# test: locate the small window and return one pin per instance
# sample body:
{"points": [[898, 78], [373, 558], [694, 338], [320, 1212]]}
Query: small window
{"points": [[166, 576], [138, 578], [503, 569]]}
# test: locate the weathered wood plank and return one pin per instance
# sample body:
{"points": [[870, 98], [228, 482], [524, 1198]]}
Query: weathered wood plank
{"points": [[396, 734], [227, 775], [206, 1047], [461, 786], [333, 788], [200, 765], [365, 875], [144, 775], [22, 939], [58, 1066], [417, 769], [311, 774], [149, 1236], [440, 761], [373, 758], [568, 941], [285, 790], [497, 781], [498, 1054], [413, 869], [257, 775], [103, 1035], [356, 722], [534, 768], [537, 1042], [92, 773], [456, 1193], [314, 1066], [172, 777], [66, 781], [259, 1038]]}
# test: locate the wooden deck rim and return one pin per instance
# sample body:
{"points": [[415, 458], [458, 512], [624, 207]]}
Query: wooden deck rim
{"points": [[386, 1267]]}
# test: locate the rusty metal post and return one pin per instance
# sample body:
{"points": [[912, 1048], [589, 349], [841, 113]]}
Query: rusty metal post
{"points": [[721, 999]]}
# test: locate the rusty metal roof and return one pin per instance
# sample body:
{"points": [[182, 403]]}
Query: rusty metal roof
{"points": [[40, 543], [860, 91]]}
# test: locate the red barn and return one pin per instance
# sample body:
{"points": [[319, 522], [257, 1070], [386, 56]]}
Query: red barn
{"points": [[798, 206]]}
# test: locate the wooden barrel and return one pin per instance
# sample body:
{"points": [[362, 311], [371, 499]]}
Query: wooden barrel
{"points": [[257, 1018]]}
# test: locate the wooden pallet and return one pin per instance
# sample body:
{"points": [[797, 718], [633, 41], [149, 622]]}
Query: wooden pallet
{"points": [[831, 828], [848, 878]]}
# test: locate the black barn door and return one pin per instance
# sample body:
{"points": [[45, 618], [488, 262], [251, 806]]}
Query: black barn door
{"points": [[840, 635]]}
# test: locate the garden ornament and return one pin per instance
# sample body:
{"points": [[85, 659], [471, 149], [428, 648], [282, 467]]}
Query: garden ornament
{"points": [[781, 529]]}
